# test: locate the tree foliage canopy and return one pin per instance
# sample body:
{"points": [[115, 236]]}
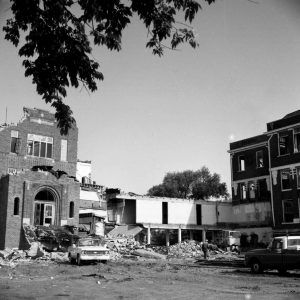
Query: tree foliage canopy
{"points": [[199, 184], [58, 33]]}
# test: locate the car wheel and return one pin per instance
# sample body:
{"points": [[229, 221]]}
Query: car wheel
{"points": [[78, 260], [256, 267], [71, 259], [282, 271]]}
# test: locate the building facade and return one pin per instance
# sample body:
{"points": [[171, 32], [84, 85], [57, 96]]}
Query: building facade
{"points": [[197, 219], [37, 176], [265, 173]]}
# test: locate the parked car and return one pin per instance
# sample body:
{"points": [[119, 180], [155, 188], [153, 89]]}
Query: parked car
{"points": [[283, 253], [88, 249]]}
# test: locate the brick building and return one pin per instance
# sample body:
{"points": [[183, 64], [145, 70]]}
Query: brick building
{"points": [[265, 176], [37, 176]]}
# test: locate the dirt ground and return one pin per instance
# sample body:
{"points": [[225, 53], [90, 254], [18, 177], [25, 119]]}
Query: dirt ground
{"points": [[143, 279]]}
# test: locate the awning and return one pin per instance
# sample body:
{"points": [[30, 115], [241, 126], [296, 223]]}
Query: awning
{"points": [[125, 230], [96, 212], [89, 195]]}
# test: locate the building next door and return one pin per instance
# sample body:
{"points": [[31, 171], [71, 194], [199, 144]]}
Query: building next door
{"points": [[44, 208]]}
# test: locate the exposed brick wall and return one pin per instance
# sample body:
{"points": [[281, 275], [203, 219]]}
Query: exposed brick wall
{"points": [[26, 183], [22, 160]]}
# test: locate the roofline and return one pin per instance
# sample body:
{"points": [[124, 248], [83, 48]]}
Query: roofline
{"points": [[248, 147], [282, 128]]}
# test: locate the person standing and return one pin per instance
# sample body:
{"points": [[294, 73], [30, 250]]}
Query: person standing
{"points": [[205, 249]]}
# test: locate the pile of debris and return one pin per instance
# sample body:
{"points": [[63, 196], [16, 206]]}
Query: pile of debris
{"points": [[52, 238], [122, 246], [126, 246], [11, 257]]}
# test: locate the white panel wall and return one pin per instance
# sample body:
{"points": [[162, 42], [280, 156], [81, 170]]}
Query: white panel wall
{"points": [[225, 214], [208, 214], [148, 211], [182, 213]]}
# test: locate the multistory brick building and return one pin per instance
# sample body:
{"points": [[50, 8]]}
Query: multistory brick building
{"points": [[265, 176], [37, 176]]}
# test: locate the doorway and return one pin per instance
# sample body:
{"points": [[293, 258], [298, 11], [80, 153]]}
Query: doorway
{"points": [[44, 208]]}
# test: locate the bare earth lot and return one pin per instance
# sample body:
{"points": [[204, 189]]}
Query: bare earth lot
{"points": [[143, 279]]}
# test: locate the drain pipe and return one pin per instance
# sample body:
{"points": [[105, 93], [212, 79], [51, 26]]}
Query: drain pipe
{"points": [[271, 184]]}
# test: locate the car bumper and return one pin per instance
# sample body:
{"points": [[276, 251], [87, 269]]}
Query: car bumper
{"points": [[94, 257]]}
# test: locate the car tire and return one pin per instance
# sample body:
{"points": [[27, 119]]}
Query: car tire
{"points": [[78, 260], [71, 259], [282, 271], [256, 267]]}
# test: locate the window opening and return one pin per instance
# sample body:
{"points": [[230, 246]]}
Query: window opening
{"points": [[286, 180], [71, 210], [40, 146], [14, 142], [283, 144], [16, 206], [242, 165], [165, 212], [259, 159], [288, 211], [297, 140], [243, 191], [252, 190]]}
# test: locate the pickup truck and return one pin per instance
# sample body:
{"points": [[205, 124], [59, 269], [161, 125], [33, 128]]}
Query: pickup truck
{"points": [[283, 253]]}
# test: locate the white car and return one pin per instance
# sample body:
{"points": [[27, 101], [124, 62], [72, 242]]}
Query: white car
{"points": [[88, 249]]}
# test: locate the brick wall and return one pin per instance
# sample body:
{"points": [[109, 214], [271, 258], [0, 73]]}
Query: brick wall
{"points": [[25, 183]]}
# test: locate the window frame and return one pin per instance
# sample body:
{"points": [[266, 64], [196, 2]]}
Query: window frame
{"points": [[283, 135], [38, 144], [296, 133], [262, 157], [283, 211], [243, 191], [290, 179], [252, 189], [14, 136], [240, 159]]}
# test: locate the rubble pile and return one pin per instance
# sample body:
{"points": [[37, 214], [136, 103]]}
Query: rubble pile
{"points": [[52, 238], [193, 249], [11, 257], [122, 246]]}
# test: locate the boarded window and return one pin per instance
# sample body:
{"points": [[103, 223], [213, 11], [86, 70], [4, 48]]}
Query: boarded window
{"points": [[63, 150], [16, 206]]}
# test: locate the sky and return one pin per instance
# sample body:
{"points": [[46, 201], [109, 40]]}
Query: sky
{"points": [[155, 115]]}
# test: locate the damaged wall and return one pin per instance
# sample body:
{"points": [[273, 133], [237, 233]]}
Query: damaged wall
{"points": [[36, 161]]}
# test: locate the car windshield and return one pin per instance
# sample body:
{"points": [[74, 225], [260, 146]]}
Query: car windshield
{"points": [[89, 242]]}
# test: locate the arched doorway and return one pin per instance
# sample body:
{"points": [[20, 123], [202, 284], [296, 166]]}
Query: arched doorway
{"points": [[44, 207]]}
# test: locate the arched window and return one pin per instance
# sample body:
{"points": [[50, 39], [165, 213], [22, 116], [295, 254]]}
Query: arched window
{"points": [[71, 210], [16, 206]]}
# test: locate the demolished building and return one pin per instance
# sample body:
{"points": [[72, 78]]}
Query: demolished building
{"points": [[37, 183]]}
